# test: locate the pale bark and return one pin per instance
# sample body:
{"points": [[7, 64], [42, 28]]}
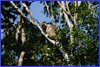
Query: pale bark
{"points": [[61, 13], [69, 24], [67, 20], [49, 13], [63, 7], [34, 22], [21, 58]]}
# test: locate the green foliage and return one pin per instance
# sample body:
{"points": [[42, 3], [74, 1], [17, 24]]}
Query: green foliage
{"points": [[44, 52]]}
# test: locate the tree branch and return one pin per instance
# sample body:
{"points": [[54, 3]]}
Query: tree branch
{"points": [[79, 3], [75, 17], [75, 14], [24, 5], [67, 13], [23, 38], [21, 58], [34, 22], [49, 13], [67, 6], [61, 13], [62, 8], [66, 16]]}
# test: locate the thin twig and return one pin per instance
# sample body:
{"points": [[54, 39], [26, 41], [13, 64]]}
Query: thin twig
{"points": [[62, 7], [52, 14], [67, 13], [61, 13], [75, 14], [49, 13], [67, 6]]}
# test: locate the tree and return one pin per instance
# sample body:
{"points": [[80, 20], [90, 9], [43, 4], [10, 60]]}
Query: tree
{"points": [[78, 27]]}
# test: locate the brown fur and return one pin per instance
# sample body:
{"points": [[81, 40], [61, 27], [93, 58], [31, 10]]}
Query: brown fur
{"points": [[50, 29]]}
